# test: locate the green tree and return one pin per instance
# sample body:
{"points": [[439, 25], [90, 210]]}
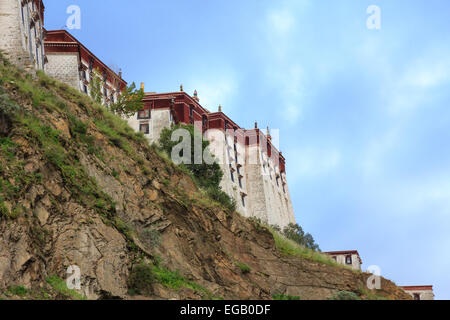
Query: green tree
{"points": [[295, 233], [129, 102], [95, 86], [207, 175]]}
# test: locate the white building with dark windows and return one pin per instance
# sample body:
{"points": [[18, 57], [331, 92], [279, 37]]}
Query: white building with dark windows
{"points": [[350, 259], [420, 292], [22, 32], [72, 63], [254, 170]]}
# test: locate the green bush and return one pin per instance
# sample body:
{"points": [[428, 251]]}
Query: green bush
{"points": [[141, 280], [244, 268], [20, 291], [345, 295]]}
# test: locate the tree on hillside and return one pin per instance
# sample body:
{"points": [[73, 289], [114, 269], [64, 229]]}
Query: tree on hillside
{"points": [[129, 102], [207, 175], [295, 233], [95, 86]]}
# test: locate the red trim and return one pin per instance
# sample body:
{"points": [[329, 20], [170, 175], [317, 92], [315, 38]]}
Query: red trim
{"points": [[417, 288], [57, 41]]}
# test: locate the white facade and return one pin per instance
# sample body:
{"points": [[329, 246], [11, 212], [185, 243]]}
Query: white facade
{"points": [[21, 33], [420, 292], [350, 259]]}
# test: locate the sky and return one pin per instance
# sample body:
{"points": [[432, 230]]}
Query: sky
{"points": [[363, 114]]}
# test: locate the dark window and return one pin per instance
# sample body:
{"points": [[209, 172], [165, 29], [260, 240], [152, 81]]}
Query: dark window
{"points": [[37, 56], [112, 98], [144, 114], [348, 259], [240, 182], [23, 17], [204, 122], [105, 92], [232, 173], [85, 88], [243, 200], [91, 64], [335, 258], [83, 74], [278, 181], [144, 128], [417, 296], [226, 125]]}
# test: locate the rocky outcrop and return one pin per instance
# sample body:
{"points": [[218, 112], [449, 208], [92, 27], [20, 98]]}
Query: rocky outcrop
{"points": [[78, 187]]}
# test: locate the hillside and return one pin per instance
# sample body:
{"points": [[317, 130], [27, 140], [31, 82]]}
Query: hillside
{"points": [[79, 187]]}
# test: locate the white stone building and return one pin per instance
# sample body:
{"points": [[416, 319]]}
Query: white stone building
{"points": [[72, 63], [22, 33], [351, 259], [420, 292], [254, 171]]}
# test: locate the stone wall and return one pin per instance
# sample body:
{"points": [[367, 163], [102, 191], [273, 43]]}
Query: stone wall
{"points": [[64, 67], [20, 42]]}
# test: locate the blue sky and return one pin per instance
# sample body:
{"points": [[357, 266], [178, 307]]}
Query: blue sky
{"points": [[363, 114]]}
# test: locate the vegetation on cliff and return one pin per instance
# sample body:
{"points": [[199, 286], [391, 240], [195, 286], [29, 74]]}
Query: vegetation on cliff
{"points": [[80, 187]]}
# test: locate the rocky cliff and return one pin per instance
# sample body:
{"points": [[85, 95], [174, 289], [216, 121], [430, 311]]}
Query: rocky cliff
{"points": [[79, 187]]}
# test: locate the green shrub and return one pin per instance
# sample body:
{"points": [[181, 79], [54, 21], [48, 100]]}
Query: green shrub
{"points": [[20, 291], [345, 295], [244, 268], [141, 280]]}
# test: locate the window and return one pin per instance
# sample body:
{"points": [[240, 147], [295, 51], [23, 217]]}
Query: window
{"points": [[105, 92], [232, 173], [23, 17], [204, 122], [334, 258], [83, 74], [226, 125], [417, 296], [91, 64], [37, 55], [243, 200], [348, 259], [85, 88], [144, 128], [278, 181], [240, 182], [144, 114]]}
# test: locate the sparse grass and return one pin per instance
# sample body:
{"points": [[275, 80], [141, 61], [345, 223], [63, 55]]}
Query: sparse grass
{"points": [[284, 297], [344, 295], [60, 287]]}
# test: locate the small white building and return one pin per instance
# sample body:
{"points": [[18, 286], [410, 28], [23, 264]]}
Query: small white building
{"points": [[351, 258], [420, 292]]}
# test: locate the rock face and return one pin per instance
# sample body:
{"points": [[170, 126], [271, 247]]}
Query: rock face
{"points": [[79, 188]]}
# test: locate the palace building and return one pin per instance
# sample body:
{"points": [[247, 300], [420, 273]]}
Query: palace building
{"points": [[254, 170], [71, 62], [22, 33]]}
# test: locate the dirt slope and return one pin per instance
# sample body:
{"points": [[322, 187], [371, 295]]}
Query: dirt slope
{"points": [[78, 187]]}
